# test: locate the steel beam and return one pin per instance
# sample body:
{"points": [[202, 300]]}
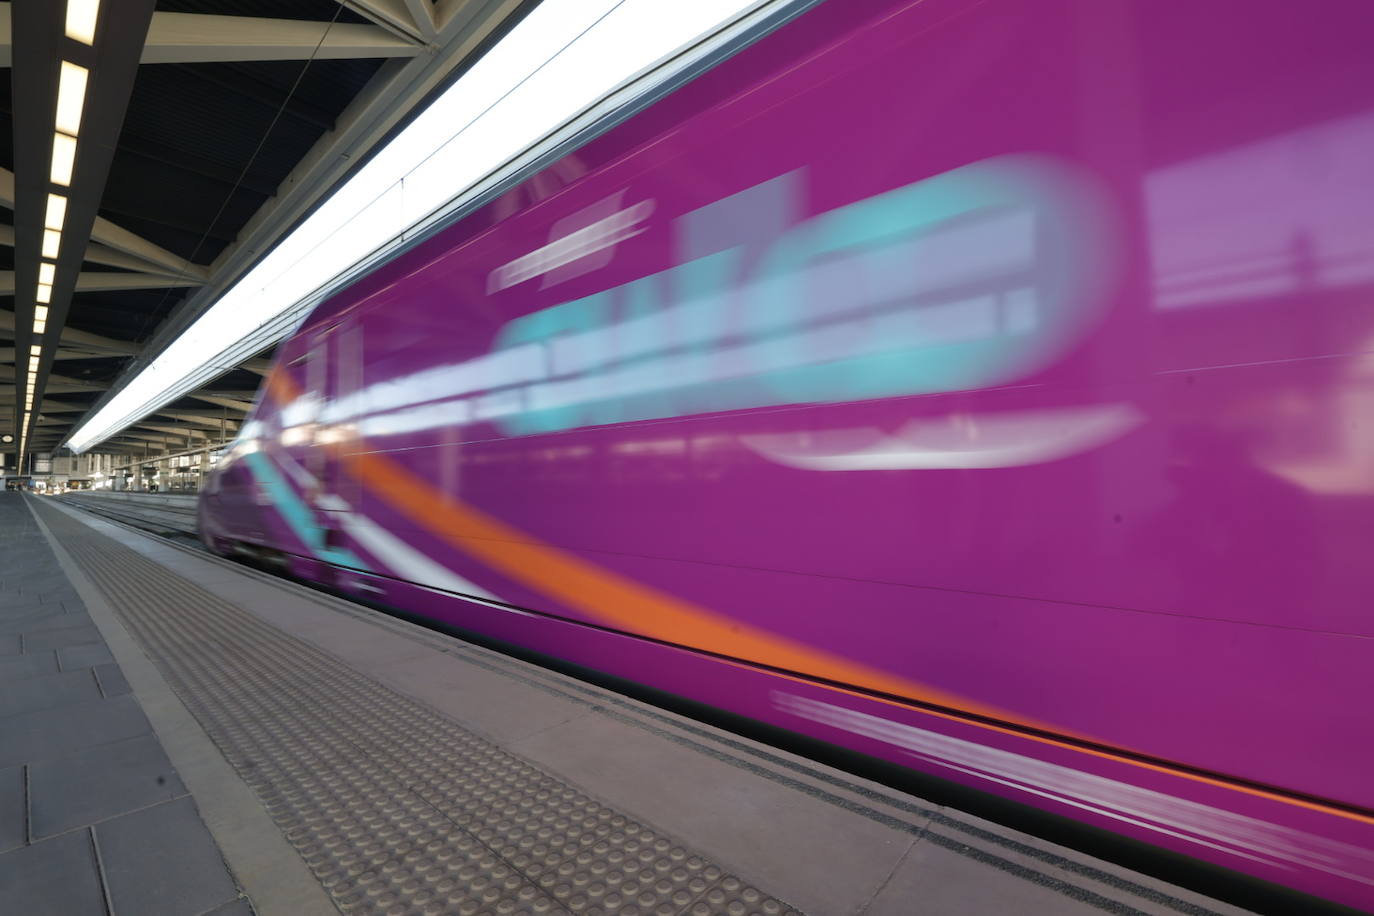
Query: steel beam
{"points": [[121, 239], [99, 254], [392, 15], [143, 254], [239, 404], [7, 354], [422, 14], [82, 339], [185, 432], [154, 215], [186, 38], [193, 416], [97, 281]]}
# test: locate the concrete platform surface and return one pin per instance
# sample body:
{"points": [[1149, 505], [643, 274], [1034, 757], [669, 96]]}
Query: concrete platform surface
{"points": [[93, 816], [297, 753]]}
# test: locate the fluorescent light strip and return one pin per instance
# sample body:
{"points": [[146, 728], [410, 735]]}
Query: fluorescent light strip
{"points": [[506, 104], [39, 326], [81, 17], [44, 293], [52, 243], [63, 159], [56, 213], [71, 97], [46, 272], [40, 313]]}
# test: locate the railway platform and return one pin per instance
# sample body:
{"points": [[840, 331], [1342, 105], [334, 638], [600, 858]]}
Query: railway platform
{"points": [[181, 734]]}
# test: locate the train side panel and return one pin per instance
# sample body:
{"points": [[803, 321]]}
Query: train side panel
{"points": [[974, 386]]}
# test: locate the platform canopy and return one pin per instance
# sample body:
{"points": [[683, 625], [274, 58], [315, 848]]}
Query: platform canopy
{"points": [[184, 138], [173, 165]]}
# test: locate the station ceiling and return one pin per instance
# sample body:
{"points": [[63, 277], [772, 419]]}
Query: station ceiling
{"points": [[210, 129]]}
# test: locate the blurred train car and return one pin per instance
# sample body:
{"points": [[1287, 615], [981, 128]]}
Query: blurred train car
{"points": [[981, 386]]}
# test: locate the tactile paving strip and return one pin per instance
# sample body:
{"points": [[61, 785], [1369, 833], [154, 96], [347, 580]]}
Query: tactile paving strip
{"points": [[395, 808]]}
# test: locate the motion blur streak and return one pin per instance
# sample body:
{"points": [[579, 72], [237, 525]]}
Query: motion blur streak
{"points": [[1242, 835], [396, 554], [987, 440], [961, 280], [622, 603], [612, 599]]}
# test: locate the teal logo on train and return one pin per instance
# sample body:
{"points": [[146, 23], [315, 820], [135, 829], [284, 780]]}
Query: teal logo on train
{"points": [[972, 278]]}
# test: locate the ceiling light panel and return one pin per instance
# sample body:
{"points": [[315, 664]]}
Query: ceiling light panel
{"points": [[46, 272], [71, 97], [63, 159], [81, 17], [44, 293], [52, 243], [56, 213]]}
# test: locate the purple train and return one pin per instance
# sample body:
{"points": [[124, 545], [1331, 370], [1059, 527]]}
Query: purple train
{"points": [[982, 386]]}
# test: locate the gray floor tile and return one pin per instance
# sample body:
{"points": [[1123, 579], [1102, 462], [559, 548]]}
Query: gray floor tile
{"points": [[136, 849], [37, 590], [31, 608], [58, 639], [57, 877], [74, 657], [112, 682], [239, 907], [18, 599], [47, 691], [48, 733], [47, 620], [99, 783], [43, 576], [9, 645], [13, 667], [12, 819]]}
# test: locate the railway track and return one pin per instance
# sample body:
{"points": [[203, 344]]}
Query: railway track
{"points": [[168, 518]]}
